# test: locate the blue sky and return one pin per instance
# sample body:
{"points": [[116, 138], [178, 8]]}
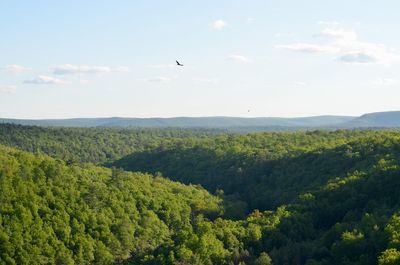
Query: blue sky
{"points": [[62, 59]]}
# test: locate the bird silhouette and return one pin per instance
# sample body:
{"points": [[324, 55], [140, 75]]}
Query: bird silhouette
{"points": [[178, 63]]}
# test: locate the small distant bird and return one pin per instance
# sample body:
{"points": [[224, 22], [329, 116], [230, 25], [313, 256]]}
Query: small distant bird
{"points": [[178, 63]]}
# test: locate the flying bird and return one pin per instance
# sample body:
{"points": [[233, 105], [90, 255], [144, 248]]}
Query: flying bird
{"points": [[178, 63]]}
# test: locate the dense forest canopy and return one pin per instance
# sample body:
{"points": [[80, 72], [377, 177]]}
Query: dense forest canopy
{"points": [[53, 213], [269, 198], [95, 145], [264, 169]]}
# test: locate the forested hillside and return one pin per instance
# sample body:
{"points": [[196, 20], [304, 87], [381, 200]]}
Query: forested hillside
{"points": [[279, 198], [339, 188], [95, 145], [51, 213], [266, 169]]}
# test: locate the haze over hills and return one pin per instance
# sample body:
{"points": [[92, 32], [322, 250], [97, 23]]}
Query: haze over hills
{"points": [[378, 119], [207, 122]]}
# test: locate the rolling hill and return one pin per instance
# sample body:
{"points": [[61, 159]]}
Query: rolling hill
{"points": [[187, 122], [378, 119]]}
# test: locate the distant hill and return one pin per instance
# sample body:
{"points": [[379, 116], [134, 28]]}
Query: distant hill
{"points": [[188, 122], [379, 119]]}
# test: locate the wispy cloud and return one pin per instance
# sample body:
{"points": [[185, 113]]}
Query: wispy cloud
{"points": [[67, 69], [7, 89], [44, 80], [283, 35], [159, 79], [207, 80], [219, 24], [380, 81], [250, 20], [339, 34], [309, 48], [15, 68], [300, 83], [239, 58], [332, 23], [357, 57], [347, 47]]}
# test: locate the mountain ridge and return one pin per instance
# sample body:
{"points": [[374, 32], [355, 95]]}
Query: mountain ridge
{"points": [[376, 119]]}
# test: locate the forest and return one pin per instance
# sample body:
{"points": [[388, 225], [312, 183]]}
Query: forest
{"points": [[180, 196]]}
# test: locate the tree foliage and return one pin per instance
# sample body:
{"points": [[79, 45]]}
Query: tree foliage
{"points": [[279, 198]]}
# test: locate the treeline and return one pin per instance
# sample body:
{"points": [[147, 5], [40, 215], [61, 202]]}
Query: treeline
{"points": [[94, 145]]}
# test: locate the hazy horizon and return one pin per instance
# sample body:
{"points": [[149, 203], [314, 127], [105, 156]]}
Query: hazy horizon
{"points": [[216, 116], [169, 117], [182, 116]]}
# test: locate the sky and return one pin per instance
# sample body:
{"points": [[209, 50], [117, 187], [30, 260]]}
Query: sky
{"points": [[247, 58]]}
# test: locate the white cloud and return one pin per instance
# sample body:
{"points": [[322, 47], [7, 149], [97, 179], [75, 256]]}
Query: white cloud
{"points": [[348, 35], [207, 80], [219, 24], [7, 89], [66, 69], [347, 47], [384, 81], [159, 79], [15, 68], [124, 69], [283, 35], [44, 80], [357, 58], [239, 58], [309, 48], [333, 23], [300, 83], [250, 20]]}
